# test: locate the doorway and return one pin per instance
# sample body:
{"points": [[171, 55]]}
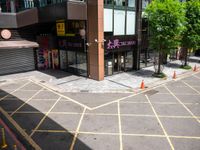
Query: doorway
{"points": [[119, 62]]}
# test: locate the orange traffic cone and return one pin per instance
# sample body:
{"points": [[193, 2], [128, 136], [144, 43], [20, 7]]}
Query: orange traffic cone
{"points": [[174, 75], [142, 85], [195, 68]]}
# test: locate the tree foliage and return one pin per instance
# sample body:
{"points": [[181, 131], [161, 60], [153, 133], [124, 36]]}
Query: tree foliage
{"points": [[166, 18], [191, 34]]}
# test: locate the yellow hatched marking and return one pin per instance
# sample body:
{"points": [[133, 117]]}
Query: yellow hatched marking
{"points": [[42, 120], [77, 130], [74, 101], [183, 104], [117, 134], [26, 102], [120, 126], [168, 139], [191, 87], [14, 91]]}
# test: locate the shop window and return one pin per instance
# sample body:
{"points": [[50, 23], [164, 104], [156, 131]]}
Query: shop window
{"points": [[119, 2], [82, 64], [108, 64], [131, 3], [119, 22], [129, 61], [108, 2], [130, 23], [71, 61], [74, 26], [108, 20]]}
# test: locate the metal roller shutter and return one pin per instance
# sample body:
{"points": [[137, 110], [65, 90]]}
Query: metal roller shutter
{"points": [[16, 60]]}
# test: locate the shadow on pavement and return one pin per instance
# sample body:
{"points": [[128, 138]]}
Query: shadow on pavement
{"points": [[58, 139]]}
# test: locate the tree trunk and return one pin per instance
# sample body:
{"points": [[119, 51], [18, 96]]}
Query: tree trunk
{"points": [[159, 63], [186, 56]]}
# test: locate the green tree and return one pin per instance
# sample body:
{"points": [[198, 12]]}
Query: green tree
{"points": [[166, 19], [191, 34]]}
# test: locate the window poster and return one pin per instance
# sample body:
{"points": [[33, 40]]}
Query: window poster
{"points": [[55, 59]]}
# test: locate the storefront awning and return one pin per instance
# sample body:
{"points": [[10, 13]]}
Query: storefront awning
{"points": [[18, 44]]}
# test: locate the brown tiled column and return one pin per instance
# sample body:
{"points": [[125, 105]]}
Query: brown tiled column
{"points": [[95, 31]]}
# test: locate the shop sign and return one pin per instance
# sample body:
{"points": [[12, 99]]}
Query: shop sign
{"points": [[60, 27], [116, 43], [72, 43], [119, 43]]}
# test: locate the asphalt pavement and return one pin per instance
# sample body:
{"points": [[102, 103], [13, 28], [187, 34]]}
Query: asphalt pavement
{"points": [[163, 117]]}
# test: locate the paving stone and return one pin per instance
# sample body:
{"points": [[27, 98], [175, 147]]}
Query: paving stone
{"points": [[171, 110], [97, 142], [140, 125], [181, 126], [136, 108], [92, 123], [54, 141], [145, 143]]}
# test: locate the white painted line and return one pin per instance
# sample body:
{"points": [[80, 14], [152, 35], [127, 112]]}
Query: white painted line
{"points": [[183, 104], [165, 132], [26, 102], [120, 126], [191, 87], [15, 91], [70, 99], [77, 130], [42, 120]]}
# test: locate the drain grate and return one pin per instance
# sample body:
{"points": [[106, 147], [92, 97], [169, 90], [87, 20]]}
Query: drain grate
{"points": [[151, 92], [84, 91]]}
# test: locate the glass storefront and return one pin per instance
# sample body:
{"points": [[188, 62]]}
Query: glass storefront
{"points": [[116, 62]]}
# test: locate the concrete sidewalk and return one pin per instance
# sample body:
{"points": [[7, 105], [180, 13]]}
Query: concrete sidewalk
{"points": [[126, 82]]}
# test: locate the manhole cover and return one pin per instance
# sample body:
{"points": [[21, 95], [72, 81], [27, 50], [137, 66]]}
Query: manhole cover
{"points": [[151, 92], [84, 91]]}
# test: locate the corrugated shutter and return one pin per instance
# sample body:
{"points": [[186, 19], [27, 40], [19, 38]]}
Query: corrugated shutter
{"points": [[16, 60]]}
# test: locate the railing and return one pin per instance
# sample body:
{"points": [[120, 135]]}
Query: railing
{"points": [[13, 6]]}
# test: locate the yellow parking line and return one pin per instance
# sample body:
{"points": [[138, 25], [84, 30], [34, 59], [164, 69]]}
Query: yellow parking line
{"points": [[42, 120], [120, 126], [74, 101], [26, 102], [191, 87], [117, 134], [165, 132], [196, 77], [14, 91], [183, 104], [77, 130]]}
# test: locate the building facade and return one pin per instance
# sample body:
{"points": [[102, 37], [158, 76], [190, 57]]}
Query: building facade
{"points": [[92, 38]]}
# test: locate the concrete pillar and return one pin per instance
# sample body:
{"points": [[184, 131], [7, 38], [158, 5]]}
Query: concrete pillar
{"points": [[95, 39]]}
